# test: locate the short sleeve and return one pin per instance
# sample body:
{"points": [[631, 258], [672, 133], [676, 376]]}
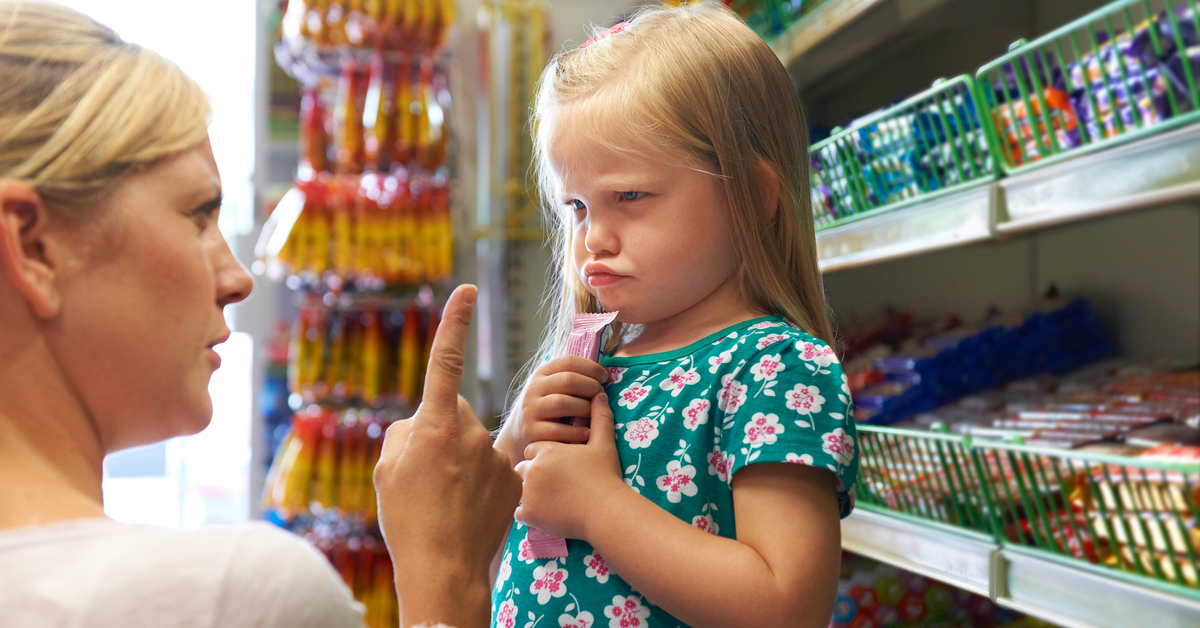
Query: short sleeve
{"points": [[789, 401], [277, 579]]}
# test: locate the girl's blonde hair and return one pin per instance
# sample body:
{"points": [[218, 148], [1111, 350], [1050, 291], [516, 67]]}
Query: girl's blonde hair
{"points": [[691, 85], [80, 108]]}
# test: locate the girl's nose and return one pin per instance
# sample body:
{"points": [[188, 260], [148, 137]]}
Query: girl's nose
{"points": [[601, 237]]}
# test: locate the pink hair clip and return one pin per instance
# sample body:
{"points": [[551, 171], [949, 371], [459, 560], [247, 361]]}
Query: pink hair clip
{"points": [[612, 31]]}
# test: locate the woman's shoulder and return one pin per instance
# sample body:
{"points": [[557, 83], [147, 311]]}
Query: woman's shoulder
{"points": [[249, 574]]}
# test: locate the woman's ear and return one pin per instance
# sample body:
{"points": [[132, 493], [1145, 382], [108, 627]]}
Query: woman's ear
{"points": [[769, 180], [25, 252]]}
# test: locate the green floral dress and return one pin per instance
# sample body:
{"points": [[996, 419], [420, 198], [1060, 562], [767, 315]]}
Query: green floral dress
{"points": [[686, 422]]}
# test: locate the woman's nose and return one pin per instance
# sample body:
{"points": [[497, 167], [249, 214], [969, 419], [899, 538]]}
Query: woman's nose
{"points": [[233, 282]]}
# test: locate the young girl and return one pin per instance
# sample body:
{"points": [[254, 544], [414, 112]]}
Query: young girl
{"points": [[673, 155]]}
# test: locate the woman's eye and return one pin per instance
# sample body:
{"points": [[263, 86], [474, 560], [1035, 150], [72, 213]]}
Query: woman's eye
{"points": [[632, 196]]}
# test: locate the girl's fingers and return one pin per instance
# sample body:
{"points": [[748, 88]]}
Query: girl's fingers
{"points": [[572, 384], [558, 432], [552, 407], [574, 364]]}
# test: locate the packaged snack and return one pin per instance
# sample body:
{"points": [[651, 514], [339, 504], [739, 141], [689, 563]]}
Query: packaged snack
{"points": [[584, 342]]}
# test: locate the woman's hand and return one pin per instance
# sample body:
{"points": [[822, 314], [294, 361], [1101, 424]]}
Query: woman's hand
{"points": [[446, 496], [563, 387], [567, 486]]}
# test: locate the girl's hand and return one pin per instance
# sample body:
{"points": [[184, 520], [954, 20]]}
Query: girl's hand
{"points": [[560, 388], [567, 486]]}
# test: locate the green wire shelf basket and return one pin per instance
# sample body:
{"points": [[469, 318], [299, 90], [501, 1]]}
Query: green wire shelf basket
{"points": [[929, 145], [927, 477], [1135, 519], [1122, 72], [1132, 518]]}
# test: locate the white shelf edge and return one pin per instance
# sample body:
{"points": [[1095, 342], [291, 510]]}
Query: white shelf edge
{"points": [[1014, 579], [961, 218], [958, 560]]}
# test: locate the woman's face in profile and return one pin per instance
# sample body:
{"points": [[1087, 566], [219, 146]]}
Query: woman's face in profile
{"points": [[143, 304]]}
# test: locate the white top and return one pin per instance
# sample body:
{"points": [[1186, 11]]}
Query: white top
{"points": [[101, 573]]}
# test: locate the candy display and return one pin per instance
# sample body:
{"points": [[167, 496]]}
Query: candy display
{"points": [[918, 374], [876, 595], [384, 24], [370, 232], [371, 356], [324, 464], [1099, 465], [1094, 80], [930, 142]]}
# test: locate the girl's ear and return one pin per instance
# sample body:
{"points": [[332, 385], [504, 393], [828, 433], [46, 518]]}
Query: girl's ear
{"points": [[26, 256], [769, 180]]}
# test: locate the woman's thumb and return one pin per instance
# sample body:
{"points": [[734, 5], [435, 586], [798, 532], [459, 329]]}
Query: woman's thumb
{"points": [[602, 421]]}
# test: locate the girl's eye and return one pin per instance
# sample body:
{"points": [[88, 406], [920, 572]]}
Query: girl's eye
{"points": [[632, 196], [576, 205]]}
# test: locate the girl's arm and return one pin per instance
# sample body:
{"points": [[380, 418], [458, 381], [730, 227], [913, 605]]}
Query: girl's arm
{"points": [[782, 569]]}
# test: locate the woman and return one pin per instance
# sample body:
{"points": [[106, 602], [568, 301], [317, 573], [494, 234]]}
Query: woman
{"points": [[113, 281]]}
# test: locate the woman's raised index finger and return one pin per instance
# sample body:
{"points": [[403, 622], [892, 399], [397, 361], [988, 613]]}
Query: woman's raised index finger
{"points": [[448, 353]]}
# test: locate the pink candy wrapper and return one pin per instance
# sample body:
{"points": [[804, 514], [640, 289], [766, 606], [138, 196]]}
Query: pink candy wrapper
{"points": [[585, 343]]}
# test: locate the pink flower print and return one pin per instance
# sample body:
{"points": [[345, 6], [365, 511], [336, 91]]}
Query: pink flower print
{"points": [[678, 481], [821, 355], [801, 459], [762, 429], [705, 523], [524, 552], [548, 582], [583, 620], [732, 395], [506, 615], [596, 567], [615, 373], [769, 340], [505, 571], [633, 395], [627, 612], [678, 379], [715, 362], [696, 414], [805, 399], [640, 433], [838, 444], [767, 368], [765, 325], [719, 464]]}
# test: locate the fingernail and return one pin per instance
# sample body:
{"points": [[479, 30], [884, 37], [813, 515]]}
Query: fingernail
{"points": [[470, 292], [603, 397], [587, 434]]}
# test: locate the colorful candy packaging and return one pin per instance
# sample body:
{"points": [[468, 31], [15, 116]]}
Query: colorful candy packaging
{"points": [[584, 341]]}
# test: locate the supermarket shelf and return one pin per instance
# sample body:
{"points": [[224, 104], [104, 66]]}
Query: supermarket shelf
{"points": [[1152, 171], [960, 218], [837, 32], [819, 25], [955, 557], [1063, 594], [1075, 598]]}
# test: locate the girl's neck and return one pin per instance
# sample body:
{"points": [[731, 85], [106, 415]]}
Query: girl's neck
{"points": [[721, 309], [51, 456]]}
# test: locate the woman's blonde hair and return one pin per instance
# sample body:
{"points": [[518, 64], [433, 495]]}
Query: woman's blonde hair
{"points": [[80, 108], [691, 85]]}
